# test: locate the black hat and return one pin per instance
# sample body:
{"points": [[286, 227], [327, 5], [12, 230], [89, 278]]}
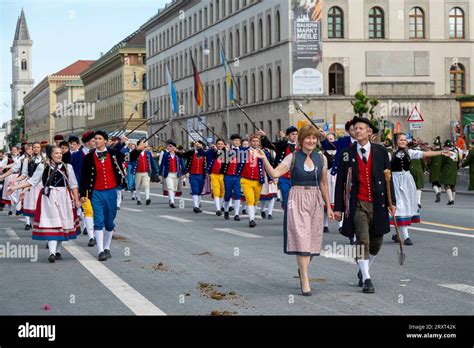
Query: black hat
{"points": [[365, 120], [102, 133], [73, 139], [87, 136], [171, 142], [235, 136], [448, 143], [290, 130]]}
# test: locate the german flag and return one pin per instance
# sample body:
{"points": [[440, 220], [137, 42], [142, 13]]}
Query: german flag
{"points": [[198, 92]]}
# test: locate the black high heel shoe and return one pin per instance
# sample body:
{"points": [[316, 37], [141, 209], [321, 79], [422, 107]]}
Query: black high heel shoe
{"points": [[304, 293]]}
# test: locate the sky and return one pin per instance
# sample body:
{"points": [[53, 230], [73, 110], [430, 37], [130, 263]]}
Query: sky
{"points": [[64, 31]]}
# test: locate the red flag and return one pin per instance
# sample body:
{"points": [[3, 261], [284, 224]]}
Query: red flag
{"points": [[198, 92]]}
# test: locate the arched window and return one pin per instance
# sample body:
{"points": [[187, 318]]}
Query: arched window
{"points": [[231, 46], [212, 97], [217, 10], [279, 82], [456, 23], [246, 89], [457, 79], [144, 87], [252, 37], [252, 89], [24, 64], [144, 110], [335, 23], [270, 85], [277, 26], [212, 61], [260, 33], [336, 79], [218, 96], [269, 30], [244, 41], [376, 23], [262, 89], [237, 43], [185, 64], [417, 23]]}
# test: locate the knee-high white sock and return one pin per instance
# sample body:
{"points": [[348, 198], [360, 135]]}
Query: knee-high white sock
{"points": [[236, 206], [139, 195], [326, 221], [271, 204], [27, 220], [371, 259], [244, 204], [341, 223], [436, 189], [119, 198], [454, 195], [99, 237], [251, 212], [418, 196], [147, 193], [449, 192], [196, 201], [89, 223], [217, 203], [108, 239], [52, 246], [226, 206], [134, 194], [171, 196], [10, 207], [364, 269], [404, 232], [58, 247]]}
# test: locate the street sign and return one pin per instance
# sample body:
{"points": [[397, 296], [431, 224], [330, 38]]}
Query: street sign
{"points": [[415, 115], [416, 126], [326, 127], [408, 135], [319, 120]]}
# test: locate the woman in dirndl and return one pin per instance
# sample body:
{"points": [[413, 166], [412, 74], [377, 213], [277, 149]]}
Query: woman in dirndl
{"points": [[10, 175], [407, 211], [304, 214], [56, 218]]}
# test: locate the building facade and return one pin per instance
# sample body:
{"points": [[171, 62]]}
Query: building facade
{"points": [[22, 76], [41, 104], [71, 111], [394, 50], [116, 85]]}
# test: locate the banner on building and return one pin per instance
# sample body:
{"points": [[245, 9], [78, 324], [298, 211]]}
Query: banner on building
{"points": [[307, 52]]}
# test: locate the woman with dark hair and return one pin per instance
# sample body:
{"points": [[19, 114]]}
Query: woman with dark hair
{"points": [[55, 217], [404, 185], [304, 214]]}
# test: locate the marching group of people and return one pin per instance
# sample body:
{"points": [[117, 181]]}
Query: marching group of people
{"points": [[317, 177]]}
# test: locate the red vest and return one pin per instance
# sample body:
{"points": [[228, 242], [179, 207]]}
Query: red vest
{"points": [[365, 179], [105, 176], [173, 164], [232, 167], [288, 151], [251, 169], [197, 165], [142, 166], [216, 166]]}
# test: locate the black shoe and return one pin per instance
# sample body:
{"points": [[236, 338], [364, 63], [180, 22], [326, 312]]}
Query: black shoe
{"points": [[359, 275], [270, 217], [218, 213], [148, 201], [450, 203], [244, 211], [226, 215], [133, 198], [139, 202], [351, 241], [107, 253], [326, 229], [197, 210], [395, 238], [438, 198], [232, 209], [304, 293], [52, 258], [236, 218], [419, 206], [58, 256], [172, 205], [264, 215], [368, 288], [252, 223], [408, 242], [102, 256], [17, 213], [28, 227], [10, 213], [84, 231], [92, 242]]}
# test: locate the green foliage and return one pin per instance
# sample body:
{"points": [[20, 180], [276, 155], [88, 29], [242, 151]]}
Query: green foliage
{"points": [[17, 133]]}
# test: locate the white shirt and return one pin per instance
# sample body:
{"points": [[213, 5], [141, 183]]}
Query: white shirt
{"points": [[85, 150], [38, 176], [367, 150]]}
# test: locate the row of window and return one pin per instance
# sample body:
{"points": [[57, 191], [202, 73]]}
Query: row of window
{"points": [[234, 44], [200, 19], [249, 88], [106, 89], [416, 17]]}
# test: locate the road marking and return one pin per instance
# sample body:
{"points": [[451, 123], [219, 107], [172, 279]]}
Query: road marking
{"points": [[237, 233], [130, 297], [460, 287], [442, 232], [10, 233], [174, 218], [130, 209], [448, 226]]}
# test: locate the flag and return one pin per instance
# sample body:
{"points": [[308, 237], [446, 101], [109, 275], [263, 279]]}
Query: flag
{"points": [[198, 92], [173, 95], [230, 83]]}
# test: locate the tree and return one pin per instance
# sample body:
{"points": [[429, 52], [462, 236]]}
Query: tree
{"points": [[360, 105], [17, 133]]}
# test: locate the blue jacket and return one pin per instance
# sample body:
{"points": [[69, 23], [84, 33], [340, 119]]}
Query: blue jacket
{"points": [[77, 159], [165, 165], [341, 144], [152, 167]]}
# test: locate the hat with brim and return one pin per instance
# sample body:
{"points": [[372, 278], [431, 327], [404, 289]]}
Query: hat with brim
{"points": [[358, 119]]}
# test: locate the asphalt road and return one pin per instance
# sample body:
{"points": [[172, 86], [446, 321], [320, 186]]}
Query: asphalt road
{"points": [[175, 262]]}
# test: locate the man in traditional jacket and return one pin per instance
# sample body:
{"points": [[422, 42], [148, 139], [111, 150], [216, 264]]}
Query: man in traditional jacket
{"points": [[434, 167]]}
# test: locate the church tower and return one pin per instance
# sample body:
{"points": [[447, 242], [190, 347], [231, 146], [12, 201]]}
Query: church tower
{"points": [[22, 77]]}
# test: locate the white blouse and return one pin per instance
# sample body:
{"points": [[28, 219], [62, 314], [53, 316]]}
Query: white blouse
{"points": [[38, 176]]}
